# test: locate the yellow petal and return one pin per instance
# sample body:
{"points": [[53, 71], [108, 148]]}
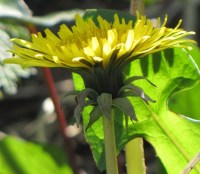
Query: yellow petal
{"points": [[95, 46], [129, 40]]}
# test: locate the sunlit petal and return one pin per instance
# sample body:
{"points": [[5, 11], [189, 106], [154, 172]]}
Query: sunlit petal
{"points": [[88, 44]]}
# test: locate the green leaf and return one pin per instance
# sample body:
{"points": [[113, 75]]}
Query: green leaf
{"points": [[78, 81], [107, 14], [174, 138], [186, 102], [105, 101], [18, 156], [95, 138], [195, 52]]}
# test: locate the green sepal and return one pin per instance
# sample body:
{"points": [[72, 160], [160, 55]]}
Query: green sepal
{"points": [[81, 101], [67, 96], [105, 102], [91, 93], [127, 94], [133, 78], [90, 102], [137, 90], [95, 114], [125, 106], [77, 113], [70, 93]]}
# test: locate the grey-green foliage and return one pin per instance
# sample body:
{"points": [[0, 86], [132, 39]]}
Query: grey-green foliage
{"points": [[18, 11], [15, 17], [15, 8], [9, 74]]}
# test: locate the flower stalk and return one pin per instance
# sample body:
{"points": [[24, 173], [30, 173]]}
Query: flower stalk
{"points": [[110, 146], [135, 157], [134, 149]]}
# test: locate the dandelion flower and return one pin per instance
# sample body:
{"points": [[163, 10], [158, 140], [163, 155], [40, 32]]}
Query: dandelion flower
{"points": [[88, 44], [101, 50]]}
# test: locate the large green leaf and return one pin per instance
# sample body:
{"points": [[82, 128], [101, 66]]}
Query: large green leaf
{"points": [[186, 102], [175, 138], [21, 157]]}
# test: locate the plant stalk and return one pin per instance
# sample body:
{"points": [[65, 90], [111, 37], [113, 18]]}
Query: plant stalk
{"points": [[136, 5], [110, 147], [60, 115], [135, 157], [61, 119], [134, 149]]}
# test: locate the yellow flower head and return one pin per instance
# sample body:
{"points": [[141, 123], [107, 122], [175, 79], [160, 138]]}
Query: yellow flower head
{"points": [[99, 52], [87, 44]]}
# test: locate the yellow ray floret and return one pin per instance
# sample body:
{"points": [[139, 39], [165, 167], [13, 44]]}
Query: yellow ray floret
{"points": [[87, 44]]}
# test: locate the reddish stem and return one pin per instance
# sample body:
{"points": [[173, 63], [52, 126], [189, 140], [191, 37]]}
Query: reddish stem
{"points": [[54, 96], [60, 117]]}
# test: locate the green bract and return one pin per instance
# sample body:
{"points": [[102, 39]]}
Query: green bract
{"points": [[104, 102]]}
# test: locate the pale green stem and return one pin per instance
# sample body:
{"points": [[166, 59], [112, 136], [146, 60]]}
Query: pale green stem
{"points": [[137, 5], [134, 149], [135, 157], [110, 147]]}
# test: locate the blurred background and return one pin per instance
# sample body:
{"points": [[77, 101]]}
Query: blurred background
{"points": [[26, 110]]}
